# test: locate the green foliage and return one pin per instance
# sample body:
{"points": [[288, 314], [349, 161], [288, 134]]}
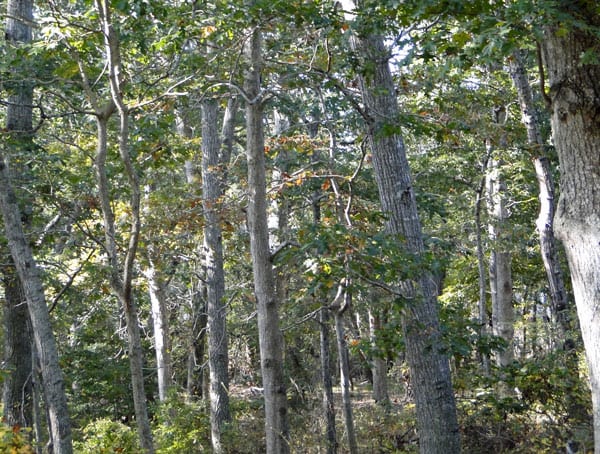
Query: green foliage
{"points": [[15, 440], [104, 436], [181, 426]]}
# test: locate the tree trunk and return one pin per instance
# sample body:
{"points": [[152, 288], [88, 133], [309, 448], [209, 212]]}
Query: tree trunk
{"points": [[339, 307], [503, 317], [482, 303], [19, 120], [212, 194], [33, 290], [17, 384], [328, 402], [121, 274], [545, 220], [378, 364], [17, 389], [270, 338], [160, 323], [576, 131], [429, 367]]}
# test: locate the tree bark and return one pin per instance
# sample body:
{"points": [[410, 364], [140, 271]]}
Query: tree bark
{"points": [[575, 102], [17, 385], [160, 323], [339, 306], [503, 317], [121, 274], [270, 337], [545, 221], [429, 367], [328, 402], [378, 364], [56, 401], [212, 194]]}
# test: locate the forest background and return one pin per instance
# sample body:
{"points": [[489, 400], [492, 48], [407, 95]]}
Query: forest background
{"points": [[259, 226]]}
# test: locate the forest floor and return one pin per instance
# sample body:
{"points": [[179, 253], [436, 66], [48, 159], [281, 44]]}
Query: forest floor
{"points": [[392, 429]]}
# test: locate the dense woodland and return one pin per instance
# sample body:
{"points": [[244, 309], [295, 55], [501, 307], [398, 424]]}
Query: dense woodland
{"points": [[300, 226]]}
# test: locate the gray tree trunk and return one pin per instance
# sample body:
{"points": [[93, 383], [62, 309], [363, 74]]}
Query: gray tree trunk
{"points": [[160, 322], [19, 119], [121, 274], [270, 337], [212, 194], [17, 385], [429, 367], [545, 220], [575, 105], [328, 401], [378, 364], [503, 317], [56, 401]]}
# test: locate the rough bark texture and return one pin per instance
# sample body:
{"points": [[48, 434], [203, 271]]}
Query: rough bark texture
{"points": [[270, 338], [545, 220], [17, 385], [212, 193], [56, 401], [19, 121], [429, 367], [575, 100]]}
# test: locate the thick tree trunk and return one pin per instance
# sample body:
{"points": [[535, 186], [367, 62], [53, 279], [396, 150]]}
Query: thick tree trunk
{"points": [[270, 338], [429, 367], [17, 384], [212, 193], [545, 220], [503, 317], [575, 100], [16, 388]]}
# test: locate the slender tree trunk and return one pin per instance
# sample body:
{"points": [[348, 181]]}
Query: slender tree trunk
{"points": [[212, 194], [328, 402], [121, 274], [429, 367], [160, 323], [270, 338], [339, 306], [481, 274], [545, 220], [575, 102], [378, 364], [503, 317]]}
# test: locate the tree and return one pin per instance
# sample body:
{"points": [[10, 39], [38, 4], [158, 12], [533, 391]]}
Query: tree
{"points": [[429, 367], [213, 185], [270, 338], [121, 274], [545, 221], [17, 386], [571, 46]]}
